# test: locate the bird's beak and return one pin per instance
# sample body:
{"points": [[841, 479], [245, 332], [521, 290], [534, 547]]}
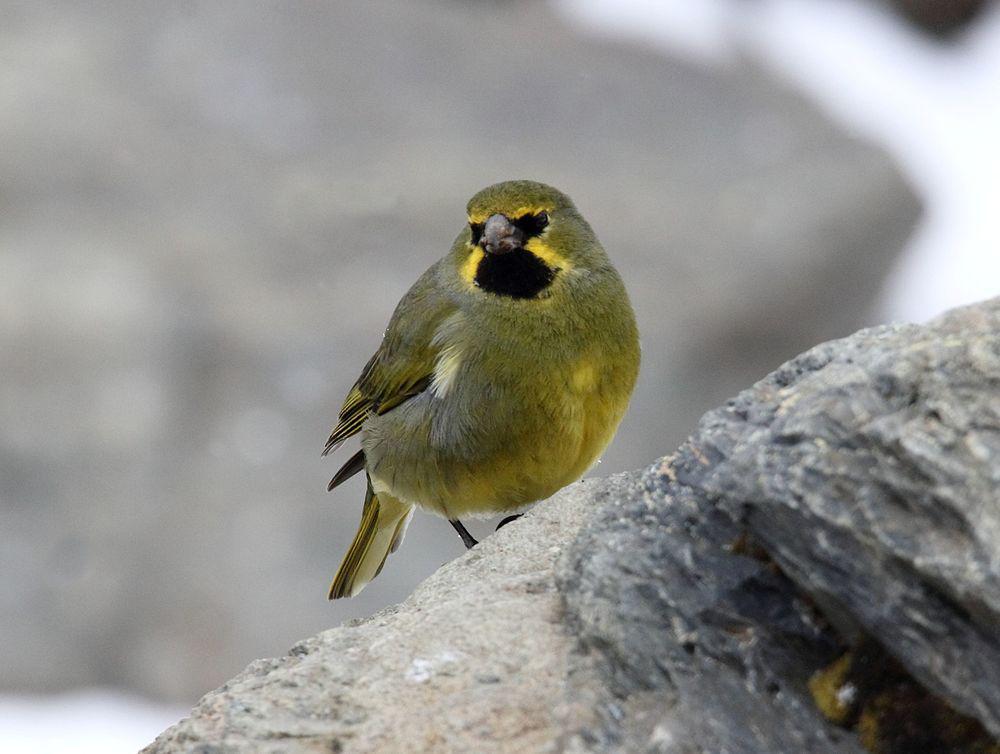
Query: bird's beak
{"points": [[501, 236]]}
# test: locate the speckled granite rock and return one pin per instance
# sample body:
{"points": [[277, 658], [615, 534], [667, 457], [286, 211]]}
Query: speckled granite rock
{"points": [[851, 493]]}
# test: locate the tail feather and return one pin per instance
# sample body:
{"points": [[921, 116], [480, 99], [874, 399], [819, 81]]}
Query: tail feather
{"points": [[354, 464], [383, 524], [400, 532]]}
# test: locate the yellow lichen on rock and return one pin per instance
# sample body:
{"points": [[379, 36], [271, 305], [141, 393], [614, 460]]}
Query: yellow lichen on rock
{"points": [[832, 692]]}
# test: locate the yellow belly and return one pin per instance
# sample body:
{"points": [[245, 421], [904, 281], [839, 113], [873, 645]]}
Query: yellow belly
{"points": [[599, 416], [546, 441], [585, 418]]}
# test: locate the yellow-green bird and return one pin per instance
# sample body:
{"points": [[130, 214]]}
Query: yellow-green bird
{"points": [[501, 378]]}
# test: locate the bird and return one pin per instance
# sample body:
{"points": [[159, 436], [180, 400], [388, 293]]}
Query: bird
{"points": [[502, 376]]}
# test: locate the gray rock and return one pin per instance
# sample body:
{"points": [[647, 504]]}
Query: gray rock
{"points": [[869, 470], [476, 660], [718, 643]]}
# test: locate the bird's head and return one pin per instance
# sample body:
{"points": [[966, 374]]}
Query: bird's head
{"points": [[521, 236]]}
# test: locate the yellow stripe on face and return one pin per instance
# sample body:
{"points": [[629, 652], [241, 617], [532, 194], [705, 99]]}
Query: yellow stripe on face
{"points": [[469, 267], [547, 254], [537, 247]]}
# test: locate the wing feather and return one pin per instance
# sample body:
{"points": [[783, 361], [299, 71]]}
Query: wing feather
{"points": [[404, 364]]}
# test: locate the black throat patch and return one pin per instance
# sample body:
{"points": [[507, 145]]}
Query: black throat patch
{"points": [[518, 274]]}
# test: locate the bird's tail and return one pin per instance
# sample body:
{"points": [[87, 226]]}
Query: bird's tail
{"points": [[383, 524]]}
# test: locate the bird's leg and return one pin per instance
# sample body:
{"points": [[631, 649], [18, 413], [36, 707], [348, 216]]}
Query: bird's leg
{"points": [[508, 520], [467, 538]]}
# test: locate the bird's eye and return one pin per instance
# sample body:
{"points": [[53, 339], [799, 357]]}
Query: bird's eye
{"points": [[477, 232], [533, 225]]}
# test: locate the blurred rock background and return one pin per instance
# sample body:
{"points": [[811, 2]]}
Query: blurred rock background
{"points": [[209, 212], [938, 18]]}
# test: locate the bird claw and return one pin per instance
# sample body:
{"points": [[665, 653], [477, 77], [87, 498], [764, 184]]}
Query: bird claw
{"points": [[507, 520]]}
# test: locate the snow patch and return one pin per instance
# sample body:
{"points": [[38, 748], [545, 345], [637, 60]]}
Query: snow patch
{"points": [[92, 721]]}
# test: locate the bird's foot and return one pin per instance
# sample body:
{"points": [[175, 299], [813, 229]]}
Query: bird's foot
{"points": [[467, 539], [507, 520]]}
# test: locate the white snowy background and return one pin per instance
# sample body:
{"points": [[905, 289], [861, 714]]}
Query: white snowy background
{"points": [[934, 106]]}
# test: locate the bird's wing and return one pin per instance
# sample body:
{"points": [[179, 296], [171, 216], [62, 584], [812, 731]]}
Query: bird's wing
{"points": [[403, 366]]}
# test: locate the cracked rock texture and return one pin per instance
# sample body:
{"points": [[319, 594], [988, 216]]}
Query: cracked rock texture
{"points": [[851, 493], [868, 469]]}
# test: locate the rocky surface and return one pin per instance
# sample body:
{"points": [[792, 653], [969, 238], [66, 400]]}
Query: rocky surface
{"points": [[868, 471], [477, 659], [210, 210], [849, 499]]}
